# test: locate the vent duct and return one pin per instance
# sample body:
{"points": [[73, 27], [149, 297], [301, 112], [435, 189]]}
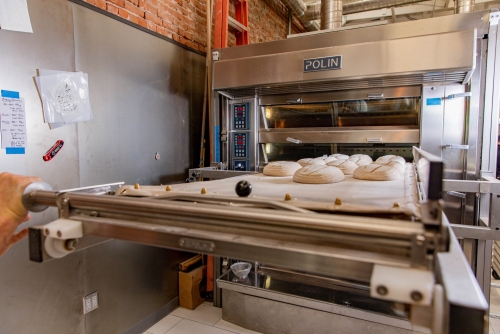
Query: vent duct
{"points": [[464, 6], [331, 14], [323, 86]]}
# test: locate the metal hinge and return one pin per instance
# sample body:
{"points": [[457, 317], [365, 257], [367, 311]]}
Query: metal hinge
{"points": [[460, 147], [215, 55], [455, 96]]}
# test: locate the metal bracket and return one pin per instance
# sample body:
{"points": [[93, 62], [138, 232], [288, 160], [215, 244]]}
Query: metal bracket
{"points": [[405, 285], [456, 194], [63, 206], [419, 250], [215, 55], [460, 147], [455, 96], [293, 140]]}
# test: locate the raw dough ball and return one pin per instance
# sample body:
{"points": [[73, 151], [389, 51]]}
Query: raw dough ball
{"points": [[400, 168], [360, 159], [318, 174], [387, 158], [327, 159], [339, 156], [311, 161], [346, 166], [375, 172], [281, 168]]}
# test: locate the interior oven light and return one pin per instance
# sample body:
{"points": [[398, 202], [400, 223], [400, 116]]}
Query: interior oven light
{"points": [[268, 148], [268, 113]]}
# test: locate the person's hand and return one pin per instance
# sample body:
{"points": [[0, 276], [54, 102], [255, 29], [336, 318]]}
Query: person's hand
{"points": [[12, 211]]}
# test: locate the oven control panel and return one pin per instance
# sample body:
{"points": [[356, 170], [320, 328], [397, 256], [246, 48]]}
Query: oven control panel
{"points": [[240, 145], [241, 116], [240, 137]]}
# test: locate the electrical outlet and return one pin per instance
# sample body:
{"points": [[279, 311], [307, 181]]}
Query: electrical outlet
{"points": [[90, 302]]}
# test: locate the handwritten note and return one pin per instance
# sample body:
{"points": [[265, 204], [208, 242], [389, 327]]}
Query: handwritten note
{"points": [[12, 122]]}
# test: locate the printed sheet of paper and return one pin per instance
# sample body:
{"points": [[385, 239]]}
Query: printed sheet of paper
{"points": [[12, 122], [14, 15]]}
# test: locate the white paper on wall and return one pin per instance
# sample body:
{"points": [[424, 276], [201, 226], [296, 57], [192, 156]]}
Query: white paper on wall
{"points": [[14, 15], [12, 122], [65, 97]]}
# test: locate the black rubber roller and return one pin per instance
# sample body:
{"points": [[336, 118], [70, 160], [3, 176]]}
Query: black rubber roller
{"points": [[243, 188]]}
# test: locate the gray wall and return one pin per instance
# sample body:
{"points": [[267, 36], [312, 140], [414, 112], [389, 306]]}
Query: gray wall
{"points": [[146, 96]]}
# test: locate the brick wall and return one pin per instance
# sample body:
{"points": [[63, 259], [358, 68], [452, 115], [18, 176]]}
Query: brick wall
{"points": [[185, 20]]}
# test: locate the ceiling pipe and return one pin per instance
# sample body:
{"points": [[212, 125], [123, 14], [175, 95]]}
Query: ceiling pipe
{"points": [[331, 14], [299, 10], [464, 6], [356, 6]]}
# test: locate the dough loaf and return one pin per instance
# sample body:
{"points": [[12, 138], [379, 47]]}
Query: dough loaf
{"points": [[400, 168], [387, 158], [374, 172], [318, 174], [328, 159], [346, 166], [339, 156], [281, 168], [311, 161], [360, 159]]}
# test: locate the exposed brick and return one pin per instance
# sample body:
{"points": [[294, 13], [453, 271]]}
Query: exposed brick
{"points": [[133, 18], [185, 20], [160, 30], [119, 3], [123, 13], [112, 9], [134, 9], [154, 3], [151, 25], [142, 22], [100, 4], [153, 18], [150, 8]]}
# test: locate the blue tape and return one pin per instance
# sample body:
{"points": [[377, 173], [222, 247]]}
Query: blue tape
{"points": [[217, 143], [434, 101], [11, 94], [15, 150]]}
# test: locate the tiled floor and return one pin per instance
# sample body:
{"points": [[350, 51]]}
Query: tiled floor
{"points": [[207, 319], [204, 319]]}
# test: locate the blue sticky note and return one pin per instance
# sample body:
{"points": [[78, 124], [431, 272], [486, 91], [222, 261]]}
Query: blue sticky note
{"points": [[15, 150], [11, 94], [434, 101], [217, 140]]}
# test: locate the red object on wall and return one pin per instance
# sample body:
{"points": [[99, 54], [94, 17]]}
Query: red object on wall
{"points": [[222, 22]]}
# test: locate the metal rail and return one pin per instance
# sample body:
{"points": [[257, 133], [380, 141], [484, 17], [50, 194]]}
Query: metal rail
{"points": [[335, 245]]}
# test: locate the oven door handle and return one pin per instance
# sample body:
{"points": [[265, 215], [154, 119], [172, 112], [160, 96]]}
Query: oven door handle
{"points": [[374, 140], [375, 96]]}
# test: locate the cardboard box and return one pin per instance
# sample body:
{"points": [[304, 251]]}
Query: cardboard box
{"points": [[189, 288]]}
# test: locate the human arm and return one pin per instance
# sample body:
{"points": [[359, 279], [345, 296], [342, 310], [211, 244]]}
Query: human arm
{"points": [[12, 211]]}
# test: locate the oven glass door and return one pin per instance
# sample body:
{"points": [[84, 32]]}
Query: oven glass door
{"points": [[354, 113]]}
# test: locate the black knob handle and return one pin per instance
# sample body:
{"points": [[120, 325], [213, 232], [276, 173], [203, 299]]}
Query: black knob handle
{"points": [[243, 188]]}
